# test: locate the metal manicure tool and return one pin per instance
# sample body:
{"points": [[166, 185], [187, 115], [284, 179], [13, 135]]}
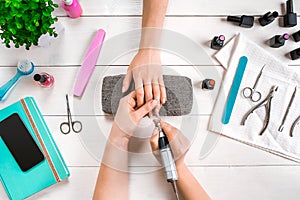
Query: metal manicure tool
{"points": [[66, 127], [280, 129], [166, 155], [294, 125], [252, 93], [267, 104]]}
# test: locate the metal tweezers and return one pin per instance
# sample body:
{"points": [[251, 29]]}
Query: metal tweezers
{"points": [[267, 104]]}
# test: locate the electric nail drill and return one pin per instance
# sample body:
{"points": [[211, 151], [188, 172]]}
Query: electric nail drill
{"points": [[166, 156]]}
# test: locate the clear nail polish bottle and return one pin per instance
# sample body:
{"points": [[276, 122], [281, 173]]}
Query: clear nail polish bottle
{"points": [[44, 79]]}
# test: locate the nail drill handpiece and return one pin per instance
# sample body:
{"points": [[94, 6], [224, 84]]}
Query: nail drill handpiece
{"points": [[167, 156]]}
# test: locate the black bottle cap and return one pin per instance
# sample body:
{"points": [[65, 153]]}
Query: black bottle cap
{"points": [[244, 21], [268, 18], [278, 40], [290, 19], [39, 78], [289, 6], [295, 54], [234, 19], [296, 36], [217, 42], [208, 84]]}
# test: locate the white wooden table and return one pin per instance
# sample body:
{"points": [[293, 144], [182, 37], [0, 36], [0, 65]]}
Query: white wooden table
{"points": [[231, 171]]}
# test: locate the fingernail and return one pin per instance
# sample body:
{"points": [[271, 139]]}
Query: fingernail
{"points": [[150, 114], [164, 100], [123, 89], [154, 102]]}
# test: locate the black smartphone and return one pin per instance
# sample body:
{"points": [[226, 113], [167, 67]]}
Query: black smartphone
{"points": [[20, 142]]}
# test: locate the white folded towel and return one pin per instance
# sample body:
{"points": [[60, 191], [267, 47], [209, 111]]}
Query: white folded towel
{"points": [[274, 73]]}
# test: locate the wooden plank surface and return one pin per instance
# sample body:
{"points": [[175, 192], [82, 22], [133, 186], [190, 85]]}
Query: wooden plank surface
{"points": [[224, 183], [65, 78], [178, 7], [70, 47], [86, 148], [231, 170]]}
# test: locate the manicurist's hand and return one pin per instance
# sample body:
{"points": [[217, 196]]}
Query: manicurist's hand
{"points": [[178, 142], [146, 71], [129, 115], [188, 186], [113, 174]]}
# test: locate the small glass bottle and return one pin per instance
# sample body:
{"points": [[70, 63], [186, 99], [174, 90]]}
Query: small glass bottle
{"points": [[44, 79]]}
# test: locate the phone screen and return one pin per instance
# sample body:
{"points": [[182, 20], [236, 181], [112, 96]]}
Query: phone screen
{"points": [[20, 142]]}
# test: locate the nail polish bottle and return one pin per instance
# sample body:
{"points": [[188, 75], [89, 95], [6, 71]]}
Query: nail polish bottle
{"points": [[208, 84], [217, 42], [278, 40], [296, 36], [44, 79], [295, 54], [72, 7], [244, 21], [268, 18], [290, 19]]}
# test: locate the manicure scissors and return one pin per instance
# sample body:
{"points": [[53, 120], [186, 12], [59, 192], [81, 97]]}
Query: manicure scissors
{"points": [[265, 103], [251, 93], [65, 127]]}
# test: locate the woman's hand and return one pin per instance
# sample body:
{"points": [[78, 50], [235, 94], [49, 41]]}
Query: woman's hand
{"points": [[146, 71], [128, 115], [178, 142]]}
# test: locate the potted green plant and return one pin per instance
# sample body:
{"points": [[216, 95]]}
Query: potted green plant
{"points": [[23, 22]]}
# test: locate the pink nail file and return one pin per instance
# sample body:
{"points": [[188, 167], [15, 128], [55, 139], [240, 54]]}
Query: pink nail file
{"points": [[89, 64]]}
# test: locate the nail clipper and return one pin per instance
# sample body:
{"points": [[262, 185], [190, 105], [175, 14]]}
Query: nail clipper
{"points": [[267, 104]]}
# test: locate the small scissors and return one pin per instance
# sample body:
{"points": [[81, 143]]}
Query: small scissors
{"points": [[251, 93], [65, 127]]}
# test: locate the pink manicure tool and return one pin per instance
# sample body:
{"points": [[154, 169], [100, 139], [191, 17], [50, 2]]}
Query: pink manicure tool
{"points": [[89, 64]]}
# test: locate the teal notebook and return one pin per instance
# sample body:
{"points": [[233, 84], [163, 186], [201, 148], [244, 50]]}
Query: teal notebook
{"points": [[30, 160]]}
